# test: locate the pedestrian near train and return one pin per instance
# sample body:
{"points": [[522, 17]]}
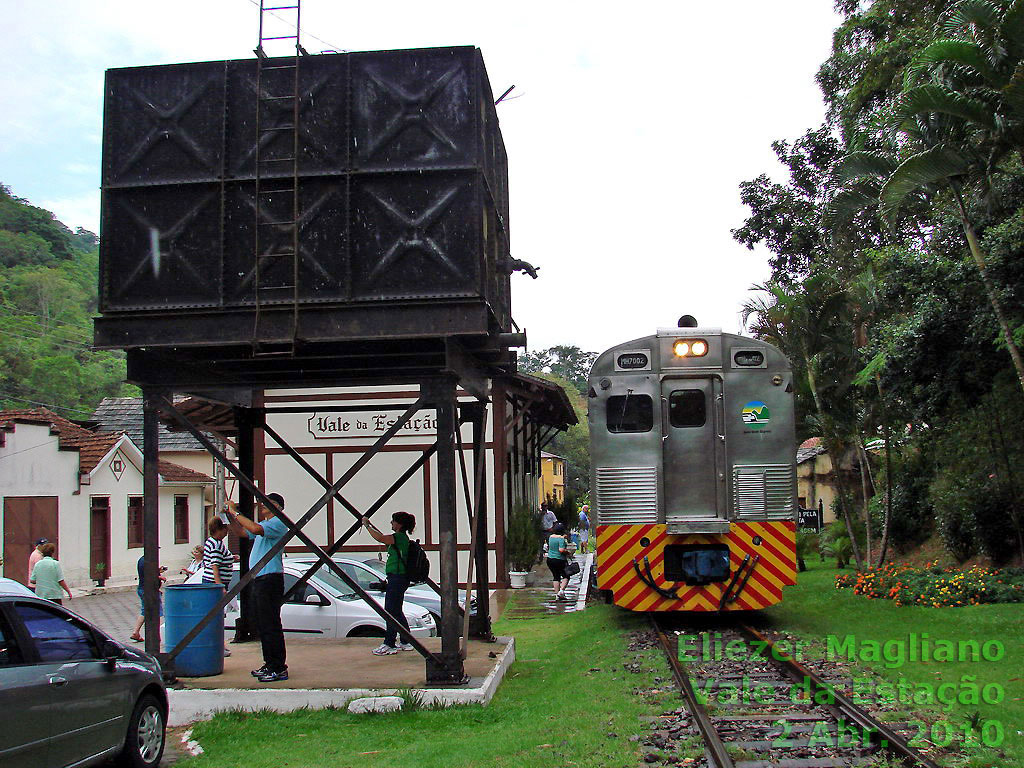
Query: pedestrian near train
{"points": [[268, 586], [47, 576], [584, 528], [558, 558], [547, 525], [396, 571], [547, 519]]}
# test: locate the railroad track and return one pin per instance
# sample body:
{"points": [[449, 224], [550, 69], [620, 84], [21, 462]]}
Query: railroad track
{"points": [[771, 711]]}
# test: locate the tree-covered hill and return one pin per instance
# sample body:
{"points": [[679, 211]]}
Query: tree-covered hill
{"points": [[48, 279]]}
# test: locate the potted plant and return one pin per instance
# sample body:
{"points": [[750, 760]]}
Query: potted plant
{"points": [[99, 574], [522, 542]]}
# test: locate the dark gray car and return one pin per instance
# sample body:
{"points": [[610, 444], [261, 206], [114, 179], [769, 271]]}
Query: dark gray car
{"points": [[71, 695]]}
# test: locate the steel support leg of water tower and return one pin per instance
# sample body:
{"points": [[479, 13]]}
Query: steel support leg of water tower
{"points": [[151, 518], [480, 622], [245, 629], [447, 668]]}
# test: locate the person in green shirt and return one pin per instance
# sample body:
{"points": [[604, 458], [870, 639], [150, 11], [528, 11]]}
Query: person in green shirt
{"points": [[402, 524], [558, 558], [48, 577]]}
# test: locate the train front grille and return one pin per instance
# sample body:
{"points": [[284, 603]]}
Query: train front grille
{"points": [[627, 495]]}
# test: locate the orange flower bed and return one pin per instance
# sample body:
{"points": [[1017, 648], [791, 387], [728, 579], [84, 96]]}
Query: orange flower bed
{"points": [[936, 587]]}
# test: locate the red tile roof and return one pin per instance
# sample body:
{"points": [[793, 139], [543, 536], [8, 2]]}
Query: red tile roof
{"points": [[175, 473], [58, 424], [91, 446]]}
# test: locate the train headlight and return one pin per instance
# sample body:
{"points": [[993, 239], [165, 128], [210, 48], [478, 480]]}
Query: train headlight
{"points": [[690, 348]]}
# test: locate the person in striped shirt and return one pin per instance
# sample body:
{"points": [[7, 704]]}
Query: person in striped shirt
{"points": [[218, 562]]}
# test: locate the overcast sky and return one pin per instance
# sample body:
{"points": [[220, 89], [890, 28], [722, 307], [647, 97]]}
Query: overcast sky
{"points": [[631, 127]]}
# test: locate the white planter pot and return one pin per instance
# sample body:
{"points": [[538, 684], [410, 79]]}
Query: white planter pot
{"points": [[517, 579]]}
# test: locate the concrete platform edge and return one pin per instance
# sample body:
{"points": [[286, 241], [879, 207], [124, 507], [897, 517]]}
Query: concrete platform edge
{"points": [[192, 705], [581, 601]]}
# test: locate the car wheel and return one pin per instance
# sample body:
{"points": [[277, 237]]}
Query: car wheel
{"points": [[437, 620], [147, 732]]}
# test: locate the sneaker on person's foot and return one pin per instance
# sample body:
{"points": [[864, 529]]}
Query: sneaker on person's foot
{"points": [[227, 652], [273, 677], [384, 650], [406, 647], [257, 672]]}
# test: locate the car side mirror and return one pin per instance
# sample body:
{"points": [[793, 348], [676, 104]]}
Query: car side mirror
{"points": [[314, 600], [111, 652], [379, 586]]}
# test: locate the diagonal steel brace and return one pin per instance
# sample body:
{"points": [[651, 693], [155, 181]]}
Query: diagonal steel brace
{"points": [[294, 530], [380, 502]]}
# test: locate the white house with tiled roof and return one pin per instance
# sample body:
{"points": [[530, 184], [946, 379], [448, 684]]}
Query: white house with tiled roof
{"points": [[83, 491], [124, 414]]}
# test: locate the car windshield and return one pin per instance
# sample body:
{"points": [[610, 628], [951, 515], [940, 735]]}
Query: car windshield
{"points": [[330, 579]]}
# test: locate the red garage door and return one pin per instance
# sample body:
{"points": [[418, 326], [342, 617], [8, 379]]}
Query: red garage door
{"points": [[26, 519]]}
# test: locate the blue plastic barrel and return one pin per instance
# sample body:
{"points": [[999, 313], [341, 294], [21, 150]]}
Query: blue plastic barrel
{"points": [[184, 606]]}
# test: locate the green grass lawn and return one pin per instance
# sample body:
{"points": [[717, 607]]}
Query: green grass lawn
{"points": [[566, 700], [815, 609]]}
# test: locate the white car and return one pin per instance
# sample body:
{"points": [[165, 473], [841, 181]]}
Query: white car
{"points": [[327, 607], [12, 588], [369, 574]]}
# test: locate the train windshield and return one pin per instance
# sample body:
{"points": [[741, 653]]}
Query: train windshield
{"points": [[630, 413]]}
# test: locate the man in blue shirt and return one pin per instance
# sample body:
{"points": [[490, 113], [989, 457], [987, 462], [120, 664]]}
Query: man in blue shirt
{"points": [[267, 586]]}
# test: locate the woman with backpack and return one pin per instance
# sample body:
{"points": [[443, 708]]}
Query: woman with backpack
{"points": [[397, 571]]}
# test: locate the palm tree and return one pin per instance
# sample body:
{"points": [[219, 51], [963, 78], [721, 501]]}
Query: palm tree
{"points": [[808, 324], [964, 122]]}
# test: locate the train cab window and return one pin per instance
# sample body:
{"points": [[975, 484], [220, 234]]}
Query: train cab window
{"points": [[686, 408], [630, 413]]}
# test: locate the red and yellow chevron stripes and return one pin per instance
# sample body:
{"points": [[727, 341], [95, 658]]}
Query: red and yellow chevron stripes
{"points": [[618, 545]]}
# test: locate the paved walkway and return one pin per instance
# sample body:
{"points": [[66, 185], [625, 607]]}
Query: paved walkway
{"points": [[538, 598], [113, 612]]}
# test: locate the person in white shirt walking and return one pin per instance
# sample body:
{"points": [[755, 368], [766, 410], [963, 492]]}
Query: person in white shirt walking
{"points": [[35, 556], [547, 526], [48, 577]]}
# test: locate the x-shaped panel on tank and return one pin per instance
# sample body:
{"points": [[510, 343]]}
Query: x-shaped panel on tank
{"points": [[415, 236], [309, 213], [164, 245], [167, 126], [413, 111], [284, 116]]}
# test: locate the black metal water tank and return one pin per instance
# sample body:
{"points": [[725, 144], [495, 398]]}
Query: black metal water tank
{"points": [[403, 196]]}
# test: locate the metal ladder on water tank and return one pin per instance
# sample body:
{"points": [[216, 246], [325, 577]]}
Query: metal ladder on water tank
{"points": [[276, 194]]}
